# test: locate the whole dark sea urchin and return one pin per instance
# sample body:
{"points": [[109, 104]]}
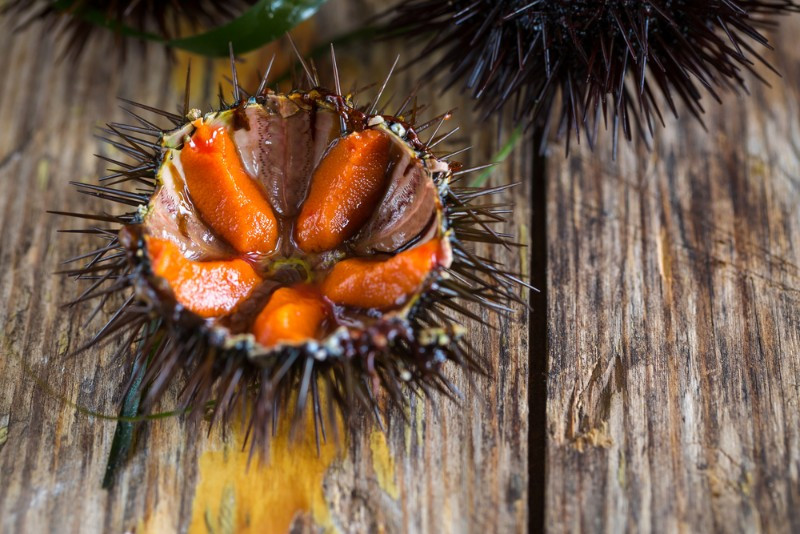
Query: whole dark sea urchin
{"points": [[286, 247], [76, 20], [589, 59]]}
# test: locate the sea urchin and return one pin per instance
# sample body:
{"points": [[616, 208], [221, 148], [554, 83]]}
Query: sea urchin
{"points": [[76, 20], [286, 243], [586, 56]]}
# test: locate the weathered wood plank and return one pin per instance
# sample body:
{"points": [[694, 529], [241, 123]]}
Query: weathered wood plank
{"points": [[674, 324], [455, 469]]}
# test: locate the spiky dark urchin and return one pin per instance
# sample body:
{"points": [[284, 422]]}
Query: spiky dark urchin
{"points": [[399, 353], [73, 20], [586, 56]]}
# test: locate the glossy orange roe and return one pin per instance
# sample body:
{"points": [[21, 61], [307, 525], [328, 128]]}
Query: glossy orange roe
{"points": [[208, 288], [381, 284], [224, 194], [293, 314], [345, 188]]}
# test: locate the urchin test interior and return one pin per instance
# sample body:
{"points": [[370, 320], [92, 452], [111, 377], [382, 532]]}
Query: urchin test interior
{"points": [[268, 221]]}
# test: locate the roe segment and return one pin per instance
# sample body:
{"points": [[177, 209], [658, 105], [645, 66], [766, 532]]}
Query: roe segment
{"points": [[292, 315], [345, 188], [224, 194], [381, 284], [207, 288]]}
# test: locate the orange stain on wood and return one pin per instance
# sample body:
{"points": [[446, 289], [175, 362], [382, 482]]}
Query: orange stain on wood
{"points": [[383, 463], [266, 497]]}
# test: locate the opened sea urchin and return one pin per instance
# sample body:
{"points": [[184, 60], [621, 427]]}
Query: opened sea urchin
{"points": [[286, 243]]}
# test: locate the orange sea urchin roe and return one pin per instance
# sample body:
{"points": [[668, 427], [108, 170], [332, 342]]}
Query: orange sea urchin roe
{"points": [[381, 284], [207, 288], [292, 314], [345, 187], [224, 194]]}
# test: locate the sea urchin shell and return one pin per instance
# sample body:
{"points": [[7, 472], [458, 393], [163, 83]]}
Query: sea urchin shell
{"points": [[288, 242]]}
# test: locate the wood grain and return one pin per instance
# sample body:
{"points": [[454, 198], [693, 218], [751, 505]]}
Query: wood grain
{"points": [[457, 468], [664, 375], [673, 373]]}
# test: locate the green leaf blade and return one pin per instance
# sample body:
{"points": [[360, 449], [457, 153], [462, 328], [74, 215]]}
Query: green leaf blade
{"points": [[264, 22]]}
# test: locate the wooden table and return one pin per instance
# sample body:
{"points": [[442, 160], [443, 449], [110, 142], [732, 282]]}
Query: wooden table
{"points": [[658, 371]]}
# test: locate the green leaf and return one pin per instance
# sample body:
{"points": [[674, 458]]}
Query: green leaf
{"points": [[123, 435], [501, 155], [264, 22]]}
